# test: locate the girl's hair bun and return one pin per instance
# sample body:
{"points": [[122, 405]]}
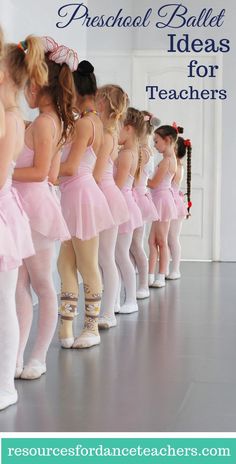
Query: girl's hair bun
{"points": [[180, 130], [85, 68]]}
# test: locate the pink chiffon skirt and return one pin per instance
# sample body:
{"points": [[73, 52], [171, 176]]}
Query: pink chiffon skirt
{"points": [[135, 220], [15, 234], [145, 203], [85, 207], [164, 202], [42, 206]]}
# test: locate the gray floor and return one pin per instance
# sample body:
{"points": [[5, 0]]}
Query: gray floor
{"points": [[170, 367]]}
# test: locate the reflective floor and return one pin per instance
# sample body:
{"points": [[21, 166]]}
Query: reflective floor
{"points": [[170, 367]]}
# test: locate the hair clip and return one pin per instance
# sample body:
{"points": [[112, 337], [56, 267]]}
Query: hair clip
{"points": [[22, 45], [154, 121], [187, 143], [147, 118]]}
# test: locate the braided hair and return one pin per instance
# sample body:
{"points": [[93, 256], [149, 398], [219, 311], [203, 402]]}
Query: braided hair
{"points": [[135, 119], [116, 101], [183, 147]]}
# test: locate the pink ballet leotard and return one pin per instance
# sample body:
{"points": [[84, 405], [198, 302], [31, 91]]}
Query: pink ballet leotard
{"points": [[40, 202], [115, 199], [84, 205], [163, 199], [143, 197], [179, 200], [135, 219], [15, 235]]}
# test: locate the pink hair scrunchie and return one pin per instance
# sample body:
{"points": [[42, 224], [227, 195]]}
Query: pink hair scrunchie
{"points": [[60, 53]]}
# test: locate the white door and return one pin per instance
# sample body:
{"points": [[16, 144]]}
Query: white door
{"points": [[202, 124]]}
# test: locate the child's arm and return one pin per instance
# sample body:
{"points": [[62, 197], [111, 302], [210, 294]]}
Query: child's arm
{"points": [[7, 148], [79, 145], [123, 167], [159, 174], [103, 157], [54, 169], [43, 152], [2, 120]]}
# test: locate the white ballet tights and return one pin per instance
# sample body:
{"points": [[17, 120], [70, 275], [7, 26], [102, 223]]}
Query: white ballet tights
{"points": [[107, 245], [174, 243], [140, 257], [126, 267], [36, 271], [9, 332]]}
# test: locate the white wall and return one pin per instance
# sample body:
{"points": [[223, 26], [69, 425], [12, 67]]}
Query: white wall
{"points": [[27, 16]]}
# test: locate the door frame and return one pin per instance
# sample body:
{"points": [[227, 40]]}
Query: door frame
{"points": [[217, 171]]}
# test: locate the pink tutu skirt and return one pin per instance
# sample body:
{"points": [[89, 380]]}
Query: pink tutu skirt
{"points": [[164, 202], [116, 201], [42, 206], [85, 207], [15, 234], [135, 219], [144, 201], [180, 205]]}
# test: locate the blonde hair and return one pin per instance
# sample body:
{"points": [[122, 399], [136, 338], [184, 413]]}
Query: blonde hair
{"points": [[27, 61], [135, 119], [116, 101]]}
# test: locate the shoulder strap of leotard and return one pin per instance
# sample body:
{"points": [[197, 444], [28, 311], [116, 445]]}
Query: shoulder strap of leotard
{"points": [[49, 116], [15, 116], [146, 151], [113, 145], [93, 125]]}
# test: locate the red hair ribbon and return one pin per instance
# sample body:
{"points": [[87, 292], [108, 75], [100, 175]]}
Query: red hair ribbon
{"points": [[174, 125], [190, 204], [187, 143]]}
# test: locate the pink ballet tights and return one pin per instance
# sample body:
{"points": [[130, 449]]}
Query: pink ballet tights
{"points": [[37, 272]]}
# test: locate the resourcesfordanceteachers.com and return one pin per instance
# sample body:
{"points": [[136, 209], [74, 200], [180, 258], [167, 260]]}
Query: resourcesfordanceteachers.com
{"points": [[104, 451]]}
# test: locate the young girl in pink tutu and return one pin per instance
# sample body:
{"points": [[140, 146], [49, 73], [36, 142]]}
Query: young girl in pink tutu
{"points": [[15, 236], [87, 213], [112, 105], [145, 203], [127, 165], [162, 194], [183, 147], [37, 165]]}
